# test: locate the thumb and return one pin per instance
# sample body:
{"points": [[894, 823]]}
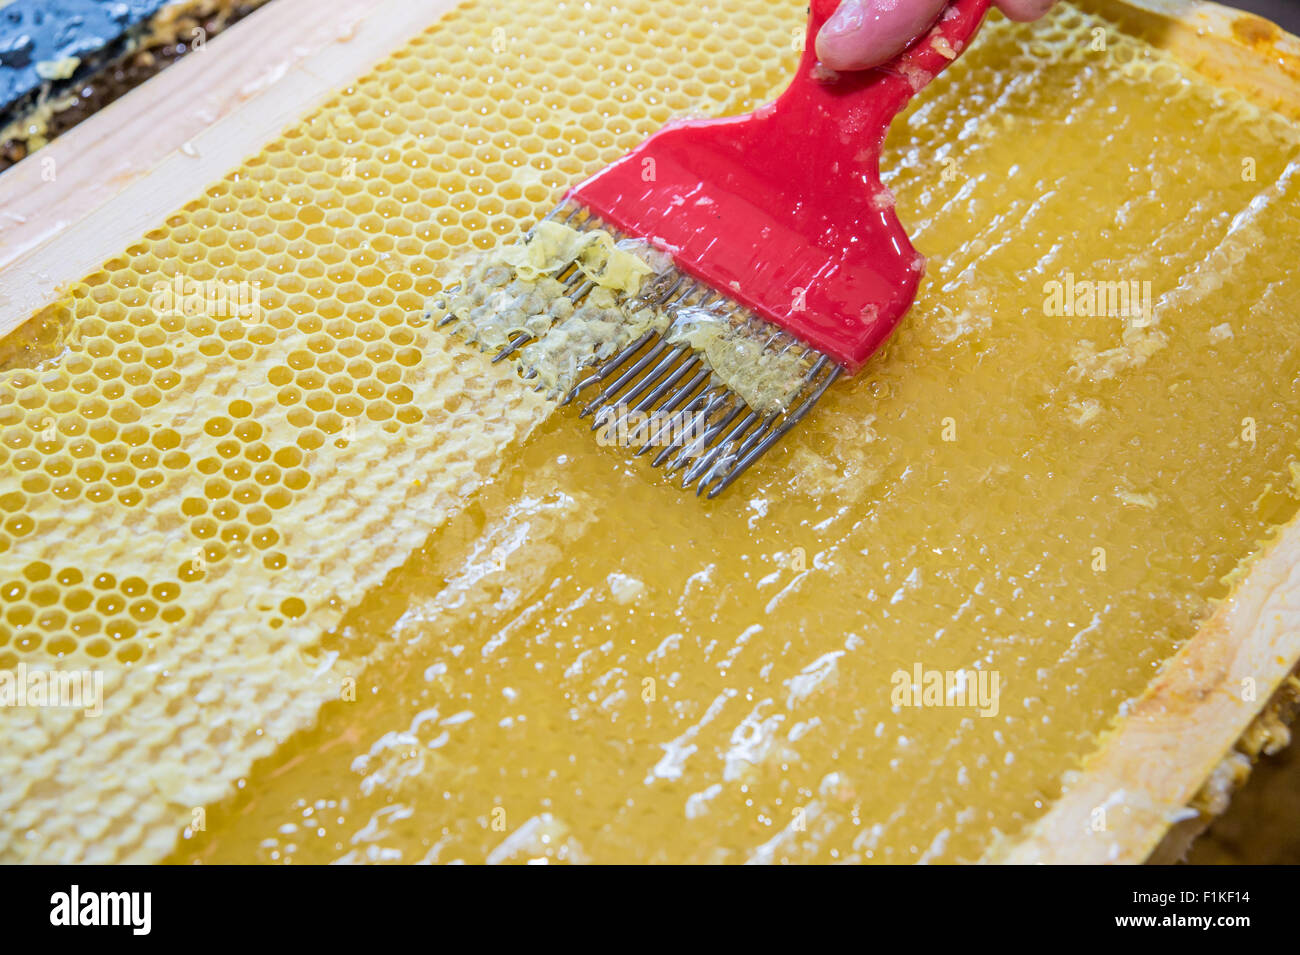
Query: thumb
{"points": [[866, 33]]}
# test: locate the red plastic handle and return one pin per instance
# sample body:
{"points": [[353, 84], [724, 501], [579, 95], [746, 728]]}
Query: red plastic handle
{"points": [[783, 209]]}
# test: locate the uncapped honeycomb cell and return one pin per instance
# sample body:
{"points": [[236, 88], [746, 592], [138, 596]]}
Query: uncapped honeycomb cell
{"points": [[219, 442]]}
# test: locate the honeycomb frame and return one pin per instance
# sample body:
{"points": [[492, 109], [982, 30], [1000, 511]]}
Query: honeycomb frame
{"points": [[221, 478]]}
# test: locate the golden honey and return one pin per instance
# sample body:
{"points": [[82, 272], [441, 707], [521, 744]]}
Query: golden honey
{"points": [[578, 662]]}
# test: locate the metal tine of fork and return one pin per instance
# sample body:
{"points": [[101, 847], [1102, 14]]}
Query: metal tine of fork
{"points": [[646, 403], [573, 210], [765, 428], [737, 444], [678, 297], [698, 408], [567, 274], [708, 462], [662, 297], [732, 465], [657, 294], [580, 291], [667, 407], [734, 447], [707, 295], [685, 392], [794, 418], [771, 340], [792, 342], [701, 445], [688, 448], [654, 374], [516, 343], [611, 365], [558, 274], [555, 211], [665, 365], [523, 339], [711, 431], [690, 453], [614, 387], [612, 412], [577, 292], [749, 440], [598, 403]]}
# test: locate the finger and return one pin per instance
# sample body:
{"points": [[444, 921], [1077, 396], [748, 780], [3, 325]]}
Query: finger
{"points": [[1024, 9], [866, 33]]}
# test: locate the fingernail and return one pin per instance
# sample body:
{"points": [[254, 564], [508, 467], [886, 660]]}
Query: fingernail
{"points": [[849, 18]]}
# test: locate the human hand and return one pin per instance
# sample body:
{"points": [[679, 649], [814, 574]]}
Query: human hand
{"points": [[866, 33]]}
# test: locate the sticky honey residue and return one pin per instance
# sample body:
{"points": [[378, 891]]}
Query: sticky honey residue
{"points": [[730, 696]]}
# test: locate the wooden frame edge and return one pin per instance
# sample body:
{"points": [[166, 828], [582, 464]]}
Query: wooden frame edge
{"points": [[137, 161]]}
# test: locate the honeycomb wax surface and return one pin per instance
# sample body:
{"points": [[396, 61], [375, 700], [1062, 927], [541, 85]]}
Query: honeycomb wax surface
{"points": [[579, 662]]}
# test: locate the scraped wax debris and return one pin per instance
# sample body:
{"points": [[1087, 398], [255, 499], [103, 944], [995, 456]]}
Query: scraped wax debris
{"points": [[513, 290]]}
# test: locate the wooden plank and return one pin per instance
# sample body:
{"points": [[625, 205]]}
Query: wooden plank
{"points": [[121, 172]]}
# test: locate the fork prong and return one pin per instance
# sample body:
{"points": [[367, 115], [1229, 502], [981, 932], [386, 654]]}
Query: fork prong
{"points": [[650, 400], [665, 410], [691, 447], [698, 406], [763, 446], [703, 468], [518, 342], [680, 287], [579, 293], [664, 366], [701, 446], [613, 387], [658, 297], [609, 367], [749, 440]]}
